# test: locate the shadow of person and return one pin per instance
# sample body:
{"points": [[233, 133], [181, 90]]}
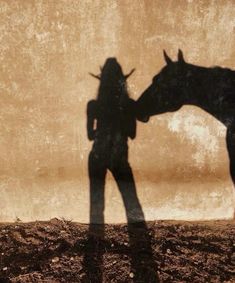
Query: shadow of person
{"points": [[110, 122]]}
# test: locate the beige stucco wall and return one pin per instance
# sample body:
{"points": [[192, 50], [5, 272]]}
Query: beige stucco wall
{"points": [[47, 49]]}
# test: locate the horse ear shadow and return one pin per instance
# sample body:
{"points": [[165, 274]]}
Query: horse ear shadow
{"points": [[167, 58], [180, 56]]}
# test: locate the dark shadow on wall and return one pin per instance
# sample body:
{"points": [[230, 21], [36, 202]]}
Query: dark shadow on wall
{"points": [[110, 122], [180, 83]]}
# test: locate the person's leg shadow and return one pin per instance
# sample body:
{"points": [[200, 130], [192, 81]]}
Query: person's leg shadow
{"points": [[142, 260], [94, 249]]}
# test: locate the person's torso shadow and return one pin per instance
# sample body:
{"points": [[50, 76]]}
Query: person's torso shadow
{"points": [[110, 122]]}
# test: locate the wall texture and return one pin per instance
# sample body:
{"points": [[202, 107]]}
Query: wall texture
{"points": [[47, 50]]}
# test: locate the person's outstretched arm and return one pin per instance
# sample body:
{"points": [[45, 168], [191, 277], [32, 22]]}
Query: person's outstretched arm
{"points": [[91, 116]]}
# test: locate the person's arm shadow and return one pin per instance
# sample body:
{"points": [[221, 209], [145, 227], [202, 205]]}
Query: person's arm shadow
{"points": [[130, 119], [91, 117]]}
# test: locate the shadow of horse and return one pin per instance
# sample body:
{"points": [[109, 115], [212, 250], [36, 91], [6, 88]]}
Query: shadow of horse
{"points": [[180, 83]]}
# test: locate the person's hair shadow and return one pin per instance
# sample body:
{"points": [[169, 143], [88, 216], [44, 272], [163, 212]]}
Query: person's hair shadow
{"points": [[180, 83], [110, 122]]}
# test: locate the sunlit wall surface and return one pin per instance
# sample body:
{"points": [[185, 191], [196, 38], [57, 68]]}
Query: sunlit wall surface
{"points": [[47, 49]]}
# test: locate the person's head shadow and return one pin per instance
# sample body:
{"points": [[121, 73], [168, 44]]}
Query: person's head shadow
{"points": [[110, 122]]}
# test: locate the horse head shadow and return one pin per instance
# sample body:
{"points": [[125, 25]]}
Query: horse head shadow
{"points": [[180, 83]]}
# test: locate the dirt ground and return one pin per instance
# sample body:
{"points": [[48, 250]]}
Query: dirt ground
{"points": [[61, 251]]}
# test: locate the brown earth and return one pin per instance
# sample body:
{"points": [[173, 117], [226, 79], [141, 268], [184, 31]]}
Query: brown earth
{"points": [[54, 251]]}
